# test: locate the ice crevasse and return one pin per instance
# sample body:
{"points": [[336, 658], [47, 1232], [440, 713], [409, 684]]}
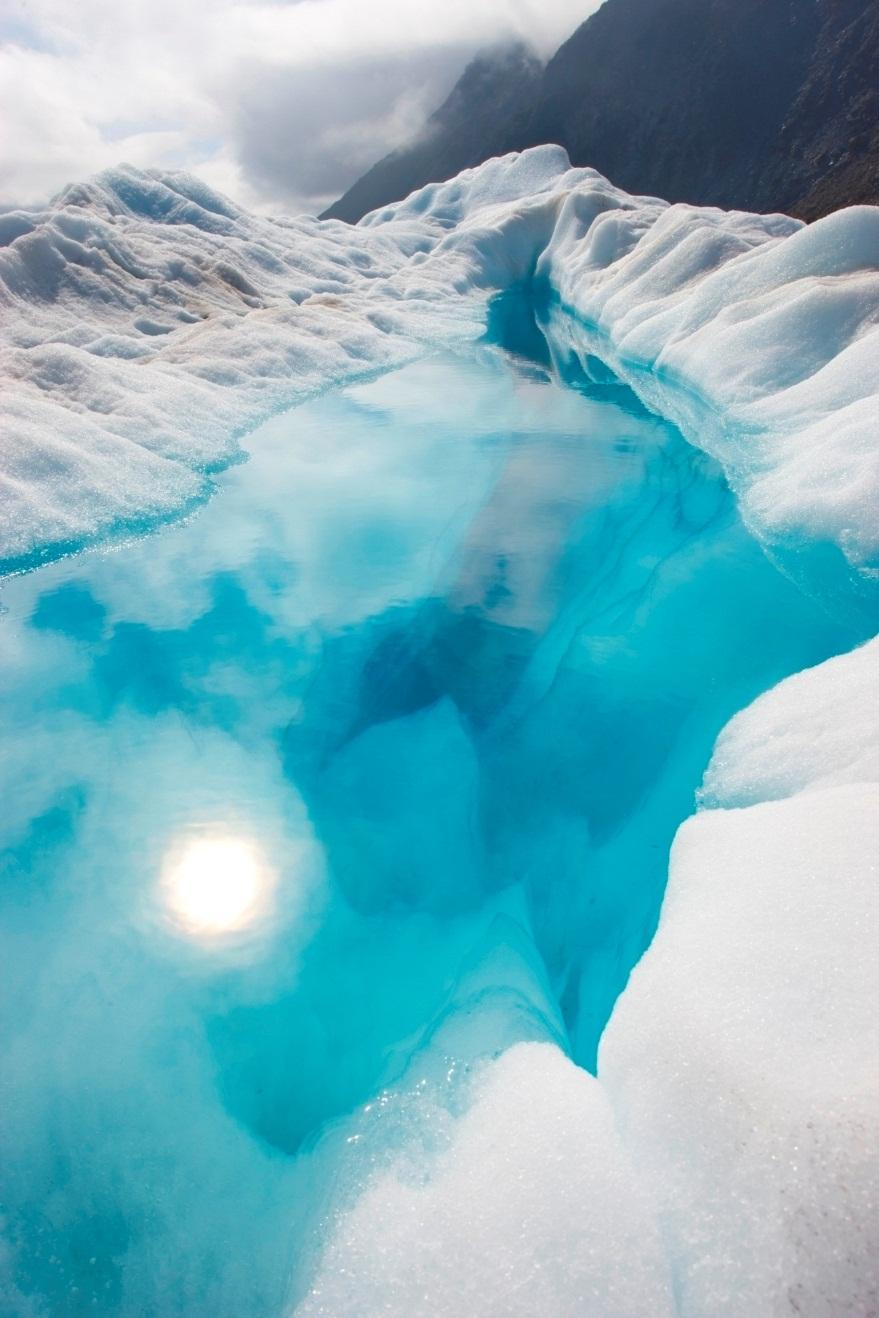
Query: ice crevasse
{"points": [[725, 1160]]}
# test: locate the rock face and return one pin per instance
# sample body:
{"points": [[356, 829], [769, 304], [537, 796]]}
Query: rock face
{"points": [[679, 98], [734, 103], [485, 115], [830, 139]]}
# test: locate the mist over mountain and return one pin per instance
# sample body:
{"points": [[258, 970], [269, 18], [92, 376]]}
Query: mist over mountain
{"points": [[737, 103], [486, 114]]}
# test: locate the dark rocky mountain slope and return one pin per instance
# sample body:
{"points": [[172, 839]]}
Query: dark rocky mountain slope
{"points": [[485, 115], [829, 144], [752, 104]]}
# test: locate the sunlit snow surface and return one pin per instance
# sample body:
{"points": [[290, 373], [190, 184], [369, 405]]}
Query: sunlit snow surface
{"points": [[334, 821]]}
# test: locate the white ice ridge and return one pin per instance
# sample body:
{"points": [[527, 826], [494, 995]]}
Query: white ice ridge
{"points": [[742, 1060], [148, 322], [535, 1208]]}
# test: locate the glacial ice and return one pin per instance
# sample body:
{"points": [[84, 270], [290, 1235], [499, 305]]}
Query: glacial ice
{"points": [[564, 1201], [741, 1060], [724, 1159], [148, 322]]}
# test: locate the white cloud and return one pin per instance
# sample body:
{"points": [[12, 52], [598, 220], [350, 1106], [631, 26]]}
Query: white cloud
{"points": [[280, 103]]}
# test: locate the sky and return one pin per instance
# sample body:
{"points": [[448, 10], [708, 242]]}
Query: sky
{"points": [[280, 104]]}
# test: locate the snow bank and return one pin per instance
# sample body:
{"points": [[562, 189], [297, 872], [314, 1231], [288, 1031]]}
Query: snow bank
{"points": [[817, 729], [529, 1210], [775, 330], [758, 336], [742, 1060], [149, 322]]}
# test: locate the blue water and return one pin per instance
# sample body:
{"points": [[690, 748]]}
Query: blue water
{"points": [[363, 773]]}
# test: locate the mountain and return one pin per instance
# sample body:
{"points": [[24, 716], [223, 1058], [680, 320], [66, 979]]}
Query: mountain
{"points": [[485, 115], [751, 104], [680, 98], [736, 103], [830, 140]]}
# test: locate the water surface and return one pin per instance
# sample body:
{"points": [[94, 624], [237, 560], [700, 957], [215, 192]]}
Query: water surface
{"points": [[365, 772]]}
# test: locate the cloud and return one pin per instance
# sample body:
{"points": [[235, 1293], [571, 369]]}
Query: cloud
{"points": [[283, 104]]}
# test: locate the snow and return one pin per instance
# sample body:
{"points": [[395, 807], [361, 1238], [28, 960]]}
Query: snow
{"points": [[148, 323], [527, 1210], [759, 337], [815, 730], [742, 1061]]}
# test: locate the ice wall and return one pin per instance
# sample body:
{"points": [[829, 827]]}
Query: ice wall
{"points": [[758, 336], [743, 1058]]}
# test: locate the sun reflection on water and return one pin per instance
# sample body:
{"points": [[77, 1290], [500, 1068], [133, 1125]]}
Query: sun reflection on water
{"points": [[216, 884]]}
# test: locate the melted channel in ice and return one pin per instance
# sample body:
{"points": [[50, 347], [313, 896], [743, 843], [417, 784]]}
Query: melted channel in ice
{"points": [[317, 801]]}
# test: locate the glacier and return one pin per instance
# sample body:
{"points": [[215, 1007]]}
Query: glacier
{"points": [[722, 1157], [155, 322]]}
